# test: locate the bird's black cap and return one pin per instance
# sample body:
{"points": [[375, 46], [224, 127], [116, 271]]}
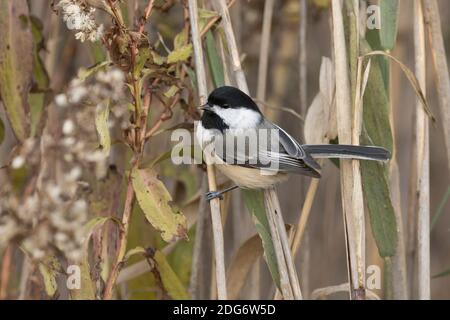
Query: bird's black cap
{"points": [[231, 97]]}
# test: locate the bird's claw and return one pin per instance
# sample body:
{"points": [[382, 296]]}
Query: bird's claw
{"points": [[213, 195]]}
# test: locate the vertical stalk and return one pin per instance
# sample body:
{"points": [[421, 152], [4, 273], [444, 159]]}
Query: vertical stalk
{"points": [[423, 158], [271, 200], [352, 203], [436, 39], [262, 83], [264, 50], [303, 58], [215, 204], [199, 233]]}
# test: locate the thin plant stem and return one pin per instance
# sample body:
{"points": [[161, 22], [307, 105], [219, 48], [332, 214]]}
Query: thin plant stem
{"points": [[422, 162], [199, 232], [5, 272], [285, 261], [285, 286], [215, 204], [304, 217], [350, 175], [436, 39], [303, 57], [264, 50]]}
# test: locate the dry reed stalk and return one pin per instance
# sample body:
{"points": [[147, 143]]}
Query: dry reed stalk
{"points": [[423, 161], [215, 204], [285, 262], [264, 50], [353, 206], [304, 216], [305, 257], [5, 272], [232, 46], [399, 282], [261, 94], [303, 57], [199, 232], [357, 196], [285, 286], [436, 39], [24, 277]]}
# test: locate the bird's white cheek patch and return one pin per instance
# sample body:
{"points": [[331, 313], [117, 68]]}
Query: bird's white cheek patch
{"points": [[240, 118]]}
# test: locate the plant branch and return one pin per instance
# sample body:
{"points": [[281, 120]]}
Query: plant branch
{"points": [[284, 258], [215, 204], [422, 162], [350, 175], [5, 272], [264, 50]]}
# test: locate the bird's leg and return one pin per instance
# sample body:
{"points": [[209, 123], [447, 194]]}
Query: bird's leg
{"points": [[218, 194]]}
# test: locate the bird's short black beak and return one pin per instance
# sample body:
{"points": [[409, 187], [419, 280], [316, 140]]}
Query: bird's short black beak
{"points": [[205, 107]]}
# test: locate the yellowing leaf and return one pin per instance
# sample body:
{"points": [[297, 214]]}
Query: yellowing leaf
{"points": [[180, 39], [158, 59], [132, 252], [16, 64], [86, 291], [180, 54], [96, 222], [170, 280], [101, 124], [154, 200], [171, 92], [141, 59], [85, 73], [49, 269], [204, 16], [87, 288]]}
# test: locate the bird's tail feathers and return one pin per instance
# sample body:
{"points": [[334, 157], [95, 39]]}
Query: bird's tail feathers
{"points": [[342, 151]]}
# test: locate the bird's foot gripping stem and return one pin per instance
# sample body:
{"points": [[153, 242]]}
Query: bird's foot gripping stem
{"points": [[211, 195], [214, 195]]}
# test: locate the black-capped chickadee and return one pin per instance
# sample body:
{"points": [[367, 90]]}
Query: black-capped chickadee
{"points": [[230, 114]]}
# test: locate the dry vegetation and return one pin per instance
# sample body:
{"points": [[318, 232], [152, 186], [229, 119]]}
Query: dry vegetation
{"points": [[92, 207]]}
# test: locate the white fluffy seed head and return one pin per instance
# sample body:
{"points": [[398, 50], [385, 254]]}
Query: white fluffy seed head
{"points": [[68, 127], [18, 162], [61, 100]]}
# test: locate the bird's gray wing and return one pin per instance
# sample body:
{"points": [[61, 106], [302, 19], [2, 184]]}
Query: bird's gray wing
{"points": [[291, 147], [279, 152]]}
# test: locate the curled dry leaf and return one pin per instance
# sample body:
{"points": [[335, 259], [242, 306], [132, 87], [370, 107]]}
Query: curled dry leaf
{"points": [[323, 293], [241, 264], [155, 202], [320, 123]]}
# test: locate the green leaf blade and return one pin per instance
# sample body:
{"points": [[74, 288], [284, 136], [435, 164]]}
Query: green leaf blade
{"points": [[16, 64], [155, 202]]}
